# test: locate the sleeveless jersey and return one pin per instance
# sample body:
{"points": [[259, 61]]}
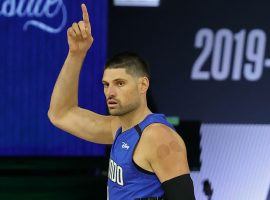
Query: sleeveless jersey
{"points": [[126, 180]]}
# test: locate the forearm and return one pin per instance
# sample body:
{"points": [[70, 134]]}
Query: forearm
{"points": [[65, 92]]}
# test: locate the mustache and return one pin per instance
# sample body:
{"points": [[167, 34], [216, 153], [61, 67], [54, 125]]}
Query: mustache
{"points": [[112, 99]]}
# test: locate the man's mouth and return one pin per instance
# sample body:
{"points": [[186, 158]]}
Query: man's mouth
{"points": [[112, 103]]}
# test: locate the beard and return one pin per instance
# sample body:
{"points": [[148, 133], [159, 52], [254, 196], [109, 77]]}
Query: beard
{"points": [[121, 110]]}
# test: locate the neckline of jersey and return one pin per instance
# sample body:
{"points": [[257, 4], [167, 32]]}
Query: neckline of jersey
{"points": [[138, 123]]}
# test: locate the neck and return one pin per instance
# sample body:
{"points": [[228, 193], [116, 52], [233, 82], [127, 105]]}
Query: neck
{"points": [[133, 118]]}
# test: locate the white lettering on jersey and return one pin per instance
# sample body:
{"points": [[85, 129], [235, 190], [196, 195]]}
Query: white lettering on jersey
{"points": [[125, 146], [115, 173]]}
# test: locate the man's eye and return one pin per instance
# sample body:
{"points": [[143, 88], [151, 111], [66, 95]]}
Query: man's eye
{"points": [[120, 84], [105, 85]]}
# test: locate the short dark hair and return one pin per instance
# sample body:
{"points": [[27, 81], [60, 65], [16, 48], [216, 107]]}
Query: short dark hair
{"points": [[130, 61]]}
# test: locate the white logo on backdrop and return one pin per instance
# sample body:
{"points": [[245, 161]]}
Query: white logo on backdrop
{"points": [[37, 9], [146, 3], [226, 55]]}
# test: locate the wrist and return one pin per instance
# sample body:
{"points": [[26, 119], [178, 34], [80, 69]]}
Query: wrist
{"points": [[77, 55]]}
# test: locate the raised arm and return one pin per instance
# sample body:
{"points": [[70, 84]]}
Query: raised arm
{"points": [[64, 112]]}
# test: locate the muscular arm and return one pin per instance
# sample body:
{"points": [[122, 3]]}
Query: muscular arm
{"points": [[166, 154], [64, 111]]}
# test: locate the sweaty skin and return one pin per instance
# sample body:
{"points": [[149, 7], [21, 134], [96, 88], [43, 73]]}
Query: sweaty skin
{"points": [[163, 151], [160, 150], [174, 146]]}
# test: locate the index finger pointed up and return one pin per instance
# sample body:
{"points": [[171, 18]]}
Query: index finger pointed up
{"points": [[86, 17]]}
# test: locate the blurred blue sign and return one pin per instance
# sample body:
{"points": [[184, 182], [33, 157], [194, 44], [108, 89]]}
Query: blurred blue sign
{"points": [[33, 49], [139, 3]]}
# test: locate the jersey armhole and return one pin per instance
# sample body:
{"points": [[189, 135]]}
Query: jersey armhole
{"points": [[141, 169], [139, 131]]}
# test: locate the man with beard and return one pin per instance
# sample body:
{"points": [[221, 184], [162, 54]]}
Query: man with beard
{"points": [[148, 158]]}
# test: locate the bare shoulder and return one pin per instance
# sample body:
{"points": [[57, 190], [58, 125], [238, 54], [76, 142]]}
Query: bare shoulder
{"points": [[157, 134], [165, 151]]}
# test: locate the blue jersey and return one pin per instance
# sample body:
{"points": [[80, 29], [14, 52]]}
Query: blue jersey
{"points": [[126, 180]]}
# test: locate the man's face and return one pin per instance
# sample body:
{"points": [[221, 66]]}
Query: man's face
{"points": [[121, 91]]}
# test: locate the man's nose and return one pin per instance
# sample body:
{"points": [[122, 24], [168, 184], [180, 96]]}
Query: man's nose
{"points": [[111, 91]]}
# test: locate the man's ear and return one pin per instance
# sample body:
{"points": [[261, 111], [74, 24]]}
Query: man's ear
{"points": [[144, 84]]}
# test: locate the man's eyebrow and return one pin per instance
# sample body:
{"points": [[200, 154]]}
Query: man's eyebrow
{"points": [[115, 80], [119, 79]]}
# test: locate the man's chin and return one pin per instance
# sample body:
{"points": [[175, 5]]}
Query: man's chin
{"points": [[115, 112]]}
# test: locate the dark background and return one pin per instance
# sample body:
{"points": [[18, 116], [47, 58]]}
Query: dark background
{"points": [[165, 37]]}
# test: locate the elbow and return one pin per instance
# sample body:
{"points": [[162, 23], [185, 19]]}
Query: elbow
{"points": [[56, 118], [52, 117]]}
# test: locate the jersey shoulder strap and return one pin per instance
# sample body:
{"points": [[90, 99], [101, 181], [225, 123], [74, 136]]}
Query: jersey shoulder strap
{"points": [[151, 119]]}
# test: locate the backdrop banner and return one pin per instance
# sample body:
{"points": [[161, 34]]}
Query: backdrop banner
{"points": [[33, 49], [210, 61]]}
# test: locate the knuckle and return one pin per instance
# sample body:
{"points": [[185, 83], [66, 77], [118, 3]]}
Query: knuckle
{"points": [[69, 32]]}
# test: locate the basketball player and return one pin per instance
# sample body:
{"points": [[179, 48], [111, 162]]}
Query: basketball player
{"points": [[148, 158]]}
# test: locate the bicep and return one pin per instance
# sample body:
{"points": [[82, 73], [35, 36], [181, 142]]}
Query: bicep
{"points": [[167, 155], [87, 125], [169, 163]]}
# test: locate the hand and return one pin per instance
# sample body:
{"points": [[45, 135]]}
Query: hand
{"points": [[79, 34]]}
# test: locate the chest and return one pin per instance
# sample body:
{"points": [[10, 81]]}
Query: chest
{"points": [[123, 148], [129, 148]]}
